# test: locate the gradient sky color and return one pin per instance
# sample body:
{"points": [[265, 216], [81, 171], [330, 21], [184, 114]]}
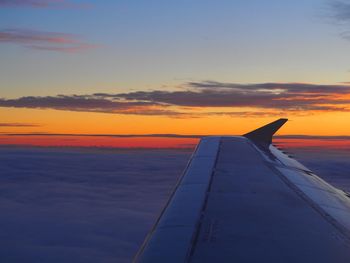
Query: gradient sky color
{"points": [[78, 66]]}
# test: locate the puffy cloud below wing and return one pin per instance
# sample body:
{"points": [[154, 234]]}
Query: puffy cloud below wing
{"points": [[82, 206], [327, 156], [74, 205]]}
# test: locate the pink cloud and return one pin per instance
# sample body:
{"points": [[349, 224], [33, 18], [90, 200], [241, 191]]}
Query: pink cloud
{"points": [[41, 40], [42, 4]]}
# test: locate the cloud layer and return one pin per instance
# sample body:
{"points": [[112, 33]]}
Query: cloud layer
{"points": [[283, 96], [89, 103], [202, 98], [41, 40], [19, 125], [340, 10], [340, 14], [40, 4], [73, 205]]}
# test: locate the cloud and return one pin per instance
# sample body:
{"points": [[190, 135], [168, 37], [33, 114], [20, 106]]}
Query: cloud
{"points": [[41, 4], [158, 135], [83, 206], [88, 103], [282, 96], [198, 99], [42, 40], [74, 205], [19, 125], [327, 156], [340, 11]]}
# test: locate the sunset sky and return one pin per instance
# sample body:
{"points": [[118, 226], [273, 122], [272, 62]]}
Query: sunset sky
{"points": [[103, 102], [179, 67]]}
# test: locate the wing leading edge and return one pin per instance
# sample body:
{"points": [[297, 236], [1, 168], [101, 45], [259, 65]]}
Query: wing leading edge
{"points": [[242, 200]]}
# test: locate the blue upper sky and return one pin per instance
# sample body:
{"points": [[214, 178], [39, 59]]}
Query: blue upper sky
{"points": [[114, 46]]}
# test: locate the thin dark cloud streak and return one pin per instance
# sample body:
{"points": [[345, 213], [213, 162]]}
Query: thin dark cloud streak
{"points": [[89, 103], [340, 11], [292, 96], [220, 98], [339, 15], [18, 125], [42, 40], [42, 4], [189, 136], [63, 102], [194, 136], [273, 87]]}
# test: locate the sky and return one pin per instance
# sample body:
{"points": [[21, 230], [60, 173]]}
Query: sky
{"points": [[74, 70], [179, 67]]}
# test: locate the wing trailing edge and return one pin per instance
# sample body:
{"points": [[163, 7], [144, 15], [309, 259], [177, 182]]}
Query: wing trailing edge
{"points": [[263, 135]]}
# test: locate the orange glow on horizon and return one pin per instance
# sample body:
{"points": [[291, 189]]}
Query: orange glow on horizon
{"points": [[100, 141], [153, 142], [67, 122]]}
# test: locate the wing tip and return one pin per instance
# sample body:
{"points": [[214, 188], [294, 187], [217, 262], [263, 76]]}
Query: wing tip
{"points": [[265, 133]]}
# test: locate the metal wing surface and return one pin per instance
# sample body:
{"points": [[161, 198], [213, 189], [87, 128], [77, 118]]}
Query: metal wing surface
{"points": [[240, 199]]}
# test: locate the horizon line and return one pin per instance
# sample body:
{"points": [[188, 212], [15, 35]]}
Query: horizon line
{"points": [[170, 135]]}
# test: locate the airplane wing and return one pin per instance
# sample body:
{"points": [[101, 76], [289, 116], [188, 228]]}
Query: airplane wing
{"points": [[240, 199]]}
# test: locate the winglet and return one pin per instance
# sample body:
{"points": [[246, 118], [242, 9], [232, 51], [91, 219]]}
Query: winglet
{"points": [[263, 135]]}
